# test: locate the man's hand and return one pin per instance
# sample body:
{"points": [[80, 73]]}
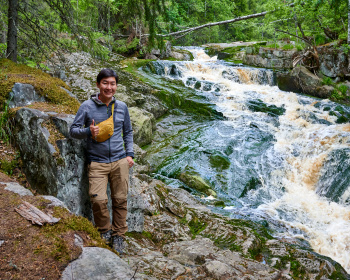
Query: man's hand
{"points": [[94, 129], [130, 161]]}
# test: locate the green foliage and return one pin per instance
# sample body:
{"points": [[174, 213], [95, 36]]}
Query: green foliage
{"points": [[121, 46], [273, 46], [320, 39], [5, 123], [3, 48], [327, 81], [8, 166], [287, 47], [299, 47]]}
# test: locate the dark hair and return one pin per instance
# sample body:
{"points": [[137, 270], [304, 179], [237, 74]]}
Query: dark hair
{"points": [[106, 73]]}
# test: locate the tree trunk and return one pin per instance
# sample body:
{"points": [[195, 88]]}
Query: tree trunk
{"points": [[11, 51], [349, 23]]}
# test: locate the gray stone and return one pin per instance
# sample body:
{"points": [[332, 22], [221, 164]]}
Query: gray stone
{"points": [[53, 170], [2, 242], [23, 94], [99, 264], [143, 124], [55, 201], [301, 80], [17, 188]]}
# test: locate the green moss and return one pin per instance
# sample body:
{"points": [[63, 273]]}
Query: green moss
{"points": [[196, 226], [251, 185], [219, 162], [259, 106], [219, 203], [192, 179], [8, 166], [44, 84]]}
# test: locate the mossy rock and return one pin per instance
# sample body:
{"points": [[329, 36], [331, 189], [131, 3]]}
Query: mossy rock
{"points": [[45, 85], [192, 179], [259, 106], [219, 162], [252, 184]]}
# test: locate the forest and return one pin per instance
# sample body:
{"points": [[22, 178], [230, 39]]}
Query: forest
{"points": [[32, 30]]}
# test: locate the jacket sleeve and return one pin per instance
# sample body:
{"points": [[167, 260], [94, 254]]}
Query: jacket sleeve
{"points": [[127, 135], [78, 129]]}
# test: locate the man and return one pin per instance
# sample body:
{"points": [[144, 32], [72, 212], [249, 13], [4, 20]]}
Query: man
{"points": [[109, 159]]}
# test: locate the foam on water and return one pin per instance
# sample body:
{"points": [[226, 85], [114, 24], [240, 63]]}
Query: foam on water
{"points": [[303, 144]]}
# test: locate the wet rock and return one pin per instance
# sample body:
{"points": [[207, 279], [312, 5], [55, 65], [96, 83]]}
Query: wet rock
{"points": [[300, 80], [183, 235], [22, 95], [259, 106], [192, 179]]}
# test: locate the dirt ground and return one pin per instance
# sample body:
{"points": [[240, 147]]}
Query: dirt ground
{"points": [[30, 251]]}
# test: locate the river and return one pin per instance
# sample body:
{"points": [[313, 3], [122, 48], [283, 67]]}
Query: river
{"points": [[276, 157]]}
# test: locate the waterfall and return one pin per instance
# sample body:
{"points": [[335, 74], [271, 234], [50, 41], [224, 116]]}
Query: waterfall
{"points": [[288, 155]]}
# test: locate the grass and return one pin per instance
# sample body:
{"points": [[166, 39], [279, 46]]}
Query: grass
{"points": [[5, 123]]}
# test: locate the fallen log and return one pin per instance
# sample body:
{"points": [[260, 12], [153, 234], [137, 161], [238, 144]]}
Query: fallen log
{"points": [[33, 214]]}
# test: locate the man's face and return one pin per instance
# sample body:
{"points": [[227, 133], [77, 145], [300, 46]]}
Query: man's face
{"points": [[107, 87]]}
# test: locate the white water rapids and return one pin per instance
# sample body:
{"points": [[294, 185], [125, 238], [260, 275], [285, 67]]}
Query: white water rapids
{"points": [[303, 145]]}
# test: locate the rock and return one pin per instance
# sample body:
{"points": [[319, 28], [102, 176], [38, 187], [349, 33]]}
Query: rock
{"points": [[143, 124], [17, 188], [218, 264], [99, 263], [267, 58], [55, 201], [23, 94], [193, 180], [2, 242], [325, 91], [55, 168], [300, 80], [180, 56], [259, 106], [333, 63]]}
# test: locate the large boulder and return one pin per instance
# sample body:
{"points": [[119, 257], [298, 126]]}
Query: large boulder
{"points": [[143, 124], [54, 165], [301, 80], [23, 94]]}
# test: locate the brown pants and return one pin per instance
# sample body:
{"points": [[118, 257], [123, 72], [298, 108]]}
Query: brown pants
{"points": [[118, 174]]}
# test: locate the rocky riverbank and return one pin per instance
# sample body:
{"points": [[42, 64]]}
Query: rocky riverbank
{"points": [[331, 81], [171, 234]]}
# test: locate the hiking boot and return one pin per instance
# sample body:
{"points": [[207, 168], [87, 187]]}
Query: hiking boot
{"points": [[107, 237], [118, 243]]}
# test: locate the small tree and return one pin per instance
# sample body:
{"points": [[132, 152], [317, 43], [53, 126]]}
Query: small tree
{"points": [[11, 51]]}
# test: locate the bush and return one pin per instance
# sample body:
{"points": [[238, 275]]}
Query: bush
{"points": [[320, 39], [299, 47], [288, 47], [343, 89], [327, 81], [273, 46]]}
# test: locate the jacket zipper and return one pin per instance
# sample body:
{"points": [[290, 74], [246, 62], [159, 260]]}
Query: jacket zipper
{"points": [[109, 140]]}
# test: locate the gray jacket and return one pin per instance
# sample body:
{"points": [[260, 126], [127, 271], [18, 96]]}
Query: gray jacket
{"points": [[120, 145]]}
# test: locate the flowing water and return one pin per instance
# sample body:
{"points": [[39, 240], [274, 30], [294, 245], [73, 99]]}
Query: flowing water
{"points": [[275, 156]]}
